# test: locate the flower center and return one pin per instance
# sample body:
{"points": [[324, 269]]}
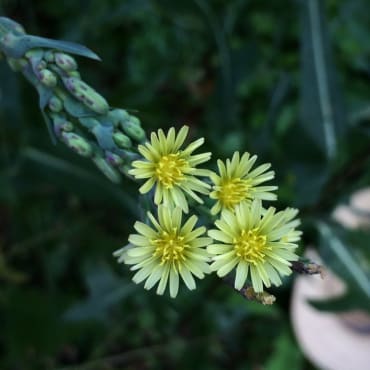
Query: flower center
{"points": [[250, 246], [232, 192], [170, 170], [169, 247]]}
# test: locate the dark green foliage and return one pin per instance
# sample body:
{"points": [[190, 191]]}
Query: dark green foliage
{"points": [[246, 75]]}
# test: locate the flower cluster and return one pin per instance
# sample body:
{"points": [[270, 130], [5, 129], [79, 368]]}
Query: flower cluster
{"points": [[256, 243]]}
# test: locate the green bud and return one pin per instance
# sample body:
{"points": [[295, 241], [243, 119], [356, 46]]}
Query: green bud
{"points": [[17, 64], [47, 78], [125, 170], [117, 116], [67, 126], [107, 169], [75, 74], [49, 56], [133, 130], [86, 95], [41, 65], [77, 144], [134, 120], [128, 155], [122, 140], [60, 124], [114, 159], [55, 104], [65, 62], [38, 53]]}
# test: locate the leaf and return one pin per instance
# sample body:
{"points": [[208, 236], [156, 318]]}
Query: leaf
{"points": [[352, 299], [322, 108], [310, 180], [27, 42], [49, 126], [226, 88], [286, 354], [90, 183], [341, 257], [105, 291]]}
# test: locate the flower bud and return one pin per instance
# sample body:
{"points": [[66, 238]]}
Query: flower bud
{"points": [[122, 140], [67, 126], [117, 116], [133, 130], [17, 64], [77, 144], [49, 56], [113, 159], [60, 124], [127, 155], [65, 62], [107, 169], [124, 169], [86, 94], [41, 65], [34, 53], [74, 74], [134, 120], [47, 78], [55, 104]]}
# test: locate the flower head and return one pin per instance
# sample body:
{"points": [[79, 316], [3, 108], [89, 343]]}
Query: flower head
{"points": [[168, 251], [171, 170], [236, 183], [258, 242]]}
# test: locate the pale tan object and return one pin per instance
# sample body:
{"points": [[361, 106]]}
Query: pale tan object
{"points": [[332, 341], [350, 216]]}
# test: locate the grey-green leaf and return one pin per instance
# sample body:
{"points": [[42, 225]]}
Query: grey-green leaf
{"points": [[338, 253], [323, 114]]}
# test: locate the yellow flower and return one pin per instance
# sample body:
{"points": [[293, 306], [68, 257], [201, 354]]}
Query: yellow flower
{"points": [[170, 169], [260, 243], [168, 251], [236, 183]]}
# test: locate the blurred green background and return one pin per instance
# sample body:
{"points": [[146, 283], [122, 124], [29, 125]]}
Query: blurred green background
{"points": [[287, 80]]}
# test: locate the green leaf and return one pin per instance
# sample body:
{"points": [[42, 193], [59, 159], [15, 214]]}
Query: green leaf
{"points": [[105, 291], [352, 299], [90, 183], [322, 107], [27, 42], [342, 258], [286, 354]]}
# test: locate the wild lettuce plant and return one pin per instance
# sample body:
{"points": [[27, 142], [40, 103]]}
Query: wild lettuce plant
{"points": [[234, 231]]}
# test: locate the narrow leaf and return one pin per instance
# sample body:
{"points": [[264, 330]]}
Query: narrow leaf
{"points": [[345, 257], [322, 109]]}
